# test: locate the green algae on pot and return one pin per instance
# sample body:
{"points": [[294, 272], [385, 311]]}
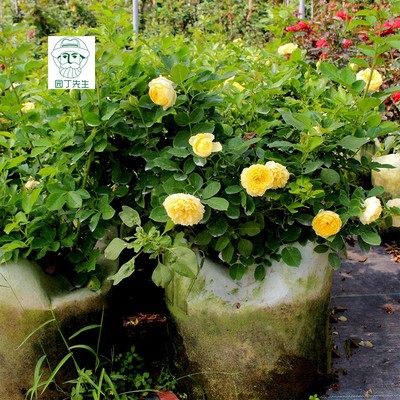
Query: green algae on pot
{"points": [[27, 294], [252, 339]]}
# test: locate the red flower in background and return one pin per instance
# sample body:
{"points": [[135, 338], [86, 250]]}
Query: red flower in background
{"points": [[343, 15], [389, 29], [347, 43], [301, 26], [323, 56], [2, 67], [396, 97], [363, 36], [321, 43], [396, 24]]}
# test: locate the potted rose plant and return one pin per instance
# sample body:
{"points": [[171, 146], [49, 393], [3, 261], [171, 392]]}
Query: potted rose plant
{"points": [[253, 167]]}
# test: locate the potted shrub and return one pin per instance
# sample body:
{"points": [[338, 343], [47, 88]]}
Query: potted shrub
{"points": [[247, 169], [60, 185]]}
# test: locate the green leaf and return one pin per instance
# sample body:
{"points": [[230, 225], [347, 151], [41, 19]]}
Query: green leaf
{"points": [[29, 200], [185, 262], [217, 226], [352, 143], [179, 73], [114, 249], [371, 238], [129, 217], [107, 212], [15, 244], [162, 275], [203, 238], [321, 248], [125, 271], [182, 119], [245, 247], [249, 228], [330, 71], [334, 260], [227, 253], [330, 176], [217, 203], [292, 120], [291, 256], [55, 201], [312, 166], [94, 221], [236, 271], [233, 189], [211, 190], [204, 127], [222, 242], [166, 164], [368, 103], [159, 214], [259, 273], [74, 200], [92, 119], [196, 116]]}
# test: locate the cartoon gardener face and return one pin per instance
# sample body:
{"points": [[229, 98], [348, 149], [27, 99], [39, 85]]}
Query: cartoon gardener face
{"points": [[70, 55]]}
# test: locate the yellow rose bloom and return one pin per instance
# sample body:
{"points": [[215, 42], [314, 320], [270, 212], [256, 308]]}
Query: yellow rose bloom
{"points": [[28, 106], [326, 223], [287, 48], [372, 209], [280, 173], [203, 144], [257, 179], [31, 184], [162, 92], [184, 209], [376, 79]]}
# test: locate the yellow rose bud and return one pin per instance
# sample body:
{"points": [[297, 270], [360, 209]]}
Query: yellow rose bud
{"points": [[203, 144], [287, 48], [31, 184], [353, 67], [326, 223], [162, 92], [133, 101], [376, 79], [372, 210], [238, 86], [184, 209], [257, 179], [28, 106], [280, 174]]}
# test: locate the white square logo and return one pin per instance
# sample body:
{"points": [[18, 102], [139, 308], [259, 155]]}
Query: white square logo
{"points": [[71, 62]]}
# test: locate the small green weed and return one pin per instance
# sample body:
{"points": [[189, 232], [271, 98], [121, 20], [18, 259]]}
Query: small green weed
{"points": [[121, 378]]}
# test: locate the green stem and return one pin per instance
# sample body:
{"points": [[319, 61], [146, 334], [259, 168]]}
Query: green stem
{"points": [[83, 186], [87, 169]]}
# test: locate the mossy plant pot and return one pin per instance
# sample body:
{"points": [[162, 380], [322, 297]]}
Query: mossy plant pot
{"points": [[252, 340], [389, 178], [27, 294]]}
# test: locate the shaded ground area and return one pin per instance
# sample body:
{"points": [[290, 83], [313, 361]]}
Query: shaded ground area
{"points": [[366, 326]]}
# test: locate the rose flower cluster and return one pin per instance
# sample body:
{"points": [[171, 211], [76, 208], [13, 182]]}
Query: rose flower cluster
{"points": [[187, 210]]}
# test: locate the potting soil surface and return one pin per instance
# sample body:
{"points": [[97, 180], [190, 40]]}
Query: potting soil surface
{"points": [[365, 326]]}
